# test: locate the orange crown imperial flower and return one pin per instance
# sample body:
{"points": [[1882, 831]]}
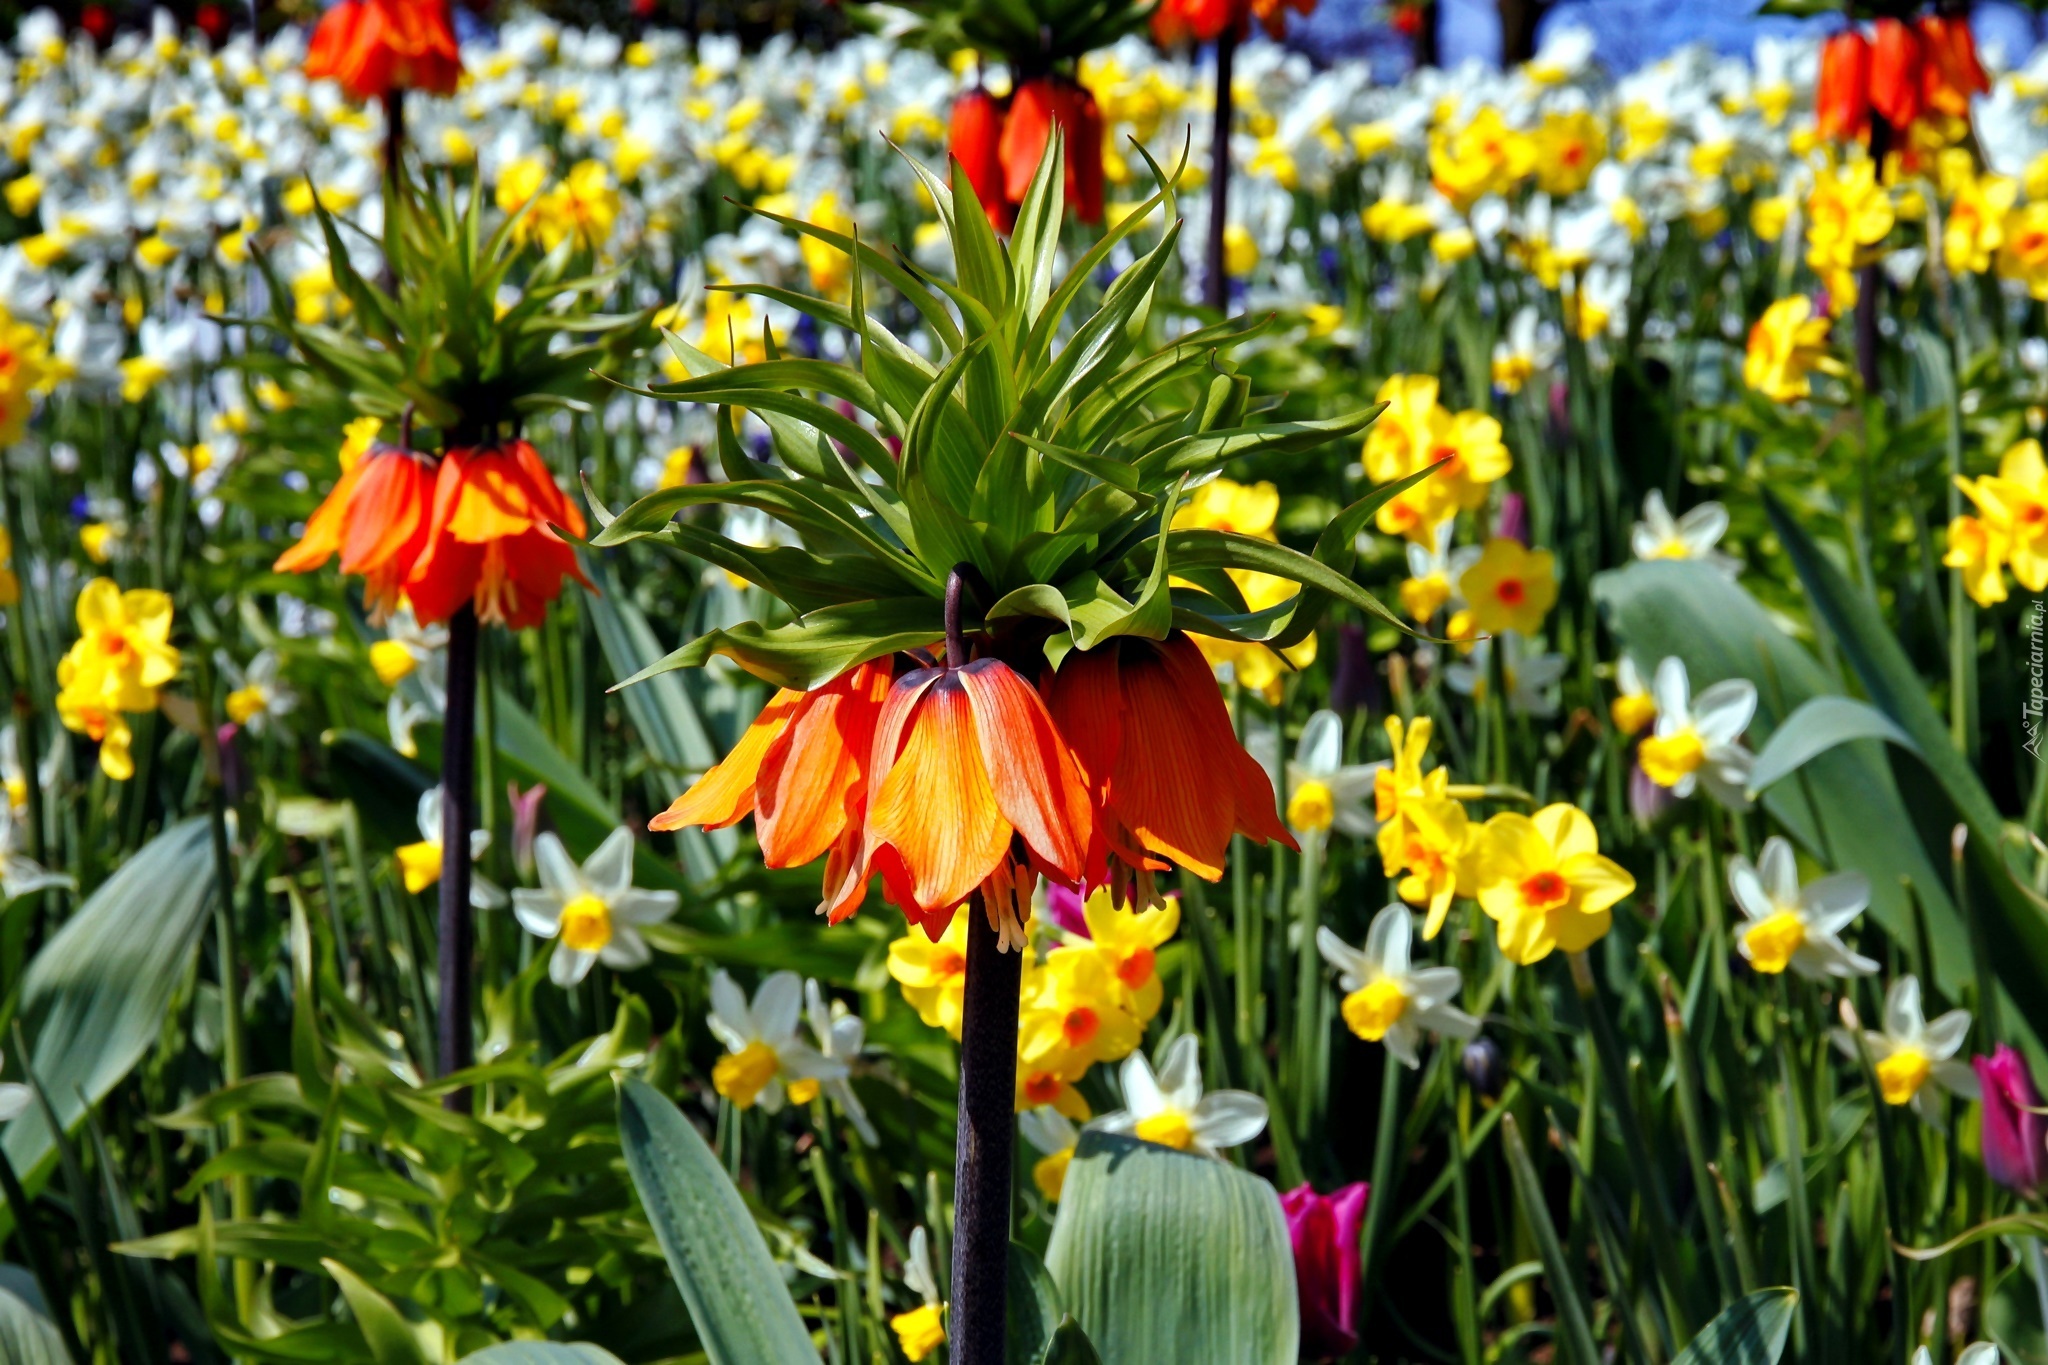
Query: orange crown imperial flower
{"points": [[490, 540], [376, 518], [373, 47]]}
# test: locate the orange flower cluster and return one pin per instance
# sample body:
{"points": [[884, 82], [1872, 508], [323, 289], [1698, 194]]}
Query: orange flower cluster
{"points": [[1175, 22], [473, 526], [1906, 71], [373, 47], [998, 143], [951, 779]]}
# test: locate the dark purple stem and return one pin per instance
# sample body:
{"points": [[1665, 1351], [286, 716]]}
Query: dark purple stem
{"points": [[982, 1152], [458, 817]]}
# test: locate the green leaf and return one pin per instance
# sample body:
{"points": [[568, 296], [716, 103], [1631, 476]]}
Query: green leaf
{"points": [[734, 1293], [1856, 817], [391, 1338], [1166, 1256], [1817, 726], [1750, 1331], [820, 647], [1575, 1331], [93, 1000], [1196, 455], [541, 1353], [1070, 1345], [26, 1336], [1034, 1307]]}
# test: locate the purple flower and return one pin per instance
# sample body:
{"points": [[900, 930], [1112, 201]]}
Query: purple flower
{"points": [[1325, 1230], [1063, 908], [1646, 800], [525, 822], [2015, 1137], [1514, 519], [1354, 683]]}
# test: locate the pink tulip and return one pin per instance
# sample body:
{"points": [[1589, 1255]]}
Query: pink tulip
{"points": [[1325, 1230], [2015, 1136]]}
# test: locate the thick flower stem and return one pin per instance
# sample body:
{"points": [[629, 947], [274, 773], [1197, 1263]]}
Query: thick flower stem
{"points": [[394, 138], [982, 1153], [1216, 286], [1869, 280], [458, 797]]}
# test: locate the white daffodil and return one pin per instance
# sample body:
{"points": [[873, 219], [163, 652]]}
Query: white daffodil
{"points": [[1054, 1135], [260, 694], [1528, 349], [1796, 926], [1324, 792], [1698, 739], [594, 912], [15, 1098], [922, 1330], [1910, 1051], [841, 1034], [1388, 1000], [420, 863], [1530, 674], [1169, 1108], [1659, 535], [761, 1044], [1982, 1353]]}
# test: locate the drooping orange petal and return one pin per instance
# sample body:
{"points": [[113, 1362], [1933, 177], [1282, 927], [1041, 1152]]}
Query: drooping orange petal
{"points": [[1036, 784], [1167, 785], [811, 782], [387, 523], [325, 528], [1087, 704], [934, 829], [726, 793], [492, 503], [1251, 790]]}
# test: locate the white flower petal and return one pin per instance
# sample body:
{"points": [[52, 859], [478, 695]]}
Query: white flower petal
{"points": [[1180, 1072], [1388, 940], [429, 815], [1902, 1017], [730, 1018], [1351, 963], [1433, 985], [1673, 691], [554, 866], [1958, 1078], [568, 967], [485, 894], [627, 950], [1142, 1097], [1833, 903], [778, 1004], [1400, 1040], [539, 912], [1321, 749], [609, 871], [1945, 1035], [14, 1100], [1228, 1118], [1747, 884], [1702, 527], [1779, 869], [1721, 713], [1448, 1021], [634, 906]]}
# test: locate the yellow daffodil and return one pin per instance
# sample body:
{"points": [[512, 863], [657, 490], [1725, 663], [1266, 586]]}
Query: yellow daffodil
{"points": [[1786, 345], [1128, 942], [1544, 883], [1978, 548], [2023, 255], [1510, 587], [1974, 230], [2013, 507], [1247, 510], [1568, 146], [933, 975], [1484, 157], [1848, 216], [10, 586]]}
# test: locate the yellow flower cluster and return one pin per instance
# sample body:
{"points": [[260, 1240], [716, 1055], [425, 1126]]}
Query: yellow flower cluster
{"points": [[1542, 879], [1786, 346], [1085, 1001], [122, 656], [1247, 510], [1848, 216], [2009, 529], [25, 370], [584, 204], [1416, 432]]}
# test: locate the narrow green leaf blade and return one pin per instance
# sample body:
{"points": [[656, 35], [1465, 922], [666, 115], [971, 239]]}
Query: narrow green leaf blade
{"points": [[1750, 1331]]}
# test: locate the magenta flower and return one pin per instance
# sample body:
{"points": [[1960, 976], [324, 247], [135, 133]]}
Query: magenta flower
{"points": [[2015, 1137], [1325, 1230], [1063, 908]]}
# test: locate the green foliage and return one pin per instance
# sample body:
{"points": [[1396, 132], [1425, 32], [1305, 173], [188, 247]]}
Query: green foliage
{"points": [[1752, 1331], [1163, 1255], [27, 1337]]}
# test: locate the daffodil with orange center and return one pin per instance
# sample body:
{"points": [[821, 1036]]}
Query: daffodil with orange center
{"points": [[1978, 548], [376, 518], [1510, 587], [1545, 884], [1128, 943], [2013, 506], [489, 541], [801, 771], [933, 974], [1075, 1017], [1162, 764], [1786, 345]]}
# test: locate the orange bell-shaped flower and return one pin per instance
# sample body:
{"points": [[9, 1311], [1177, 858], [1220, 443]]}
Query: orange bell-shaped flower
{"points": [[1896, 85], [1842, 99], [489, 541], [974, 138], [1176, 22], [377, 518], [970, 788], [1950, 71], [1163, 765], [1039, 105], [373, 47]]}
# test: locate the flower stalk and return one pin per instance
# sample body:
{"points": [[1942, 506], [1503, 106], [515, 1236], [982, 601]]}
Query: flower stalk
{"points": [[982, 1151], [1216, 284], [456, 926]]}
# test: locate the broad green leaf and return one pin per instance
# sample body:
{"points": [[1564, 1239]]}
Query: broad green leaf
{"points": [[1166, 1256], [1196, 455], [2014, 920], [1817, 726], [392, 1340], [1070, 1345], [715, 1251], [541, 1353], [93, 1000], [2012, 1319], [26, 1336], [1034, 1307], [1750, 1331], [1856, 817]]}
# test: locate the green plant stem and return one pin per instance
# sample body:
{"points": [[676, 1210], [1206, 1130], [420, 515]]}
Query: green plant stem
{"points": [[45, 1267], [1308, 997], [1685, 1071], [227, 935], [2037, 1270], [1381, 1195], [1643, 1172], [1464, 1287], [1575, 1331], [1805, 1278]]}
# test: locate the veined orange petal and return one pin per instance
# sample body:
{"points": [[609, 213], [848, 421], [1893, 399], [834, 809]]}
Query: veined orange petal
{"points": [[493, 501], [1036, 783], [387, 515], [726, 793], [934, 830], [810, 786], [1166, 784]]}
